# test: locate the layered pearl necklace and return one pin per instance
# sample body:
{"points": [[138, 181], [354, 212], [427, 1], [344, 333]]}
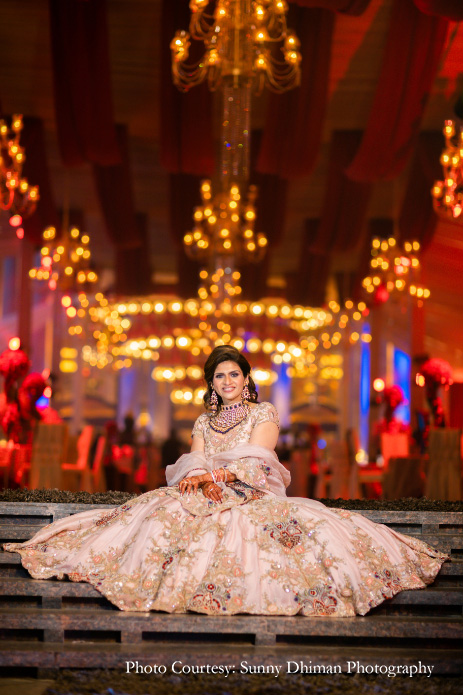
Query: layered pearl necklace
{"points": [[229, 417]]}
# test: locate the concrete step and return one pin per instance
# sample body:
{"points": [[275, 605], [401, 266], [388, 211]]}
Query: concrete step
{"points": [[127, 627], [240, 657], [25, 586]]}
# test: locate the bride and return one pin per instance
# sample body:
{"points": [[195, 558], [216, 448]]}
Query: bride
{"points": [[223, 538]]}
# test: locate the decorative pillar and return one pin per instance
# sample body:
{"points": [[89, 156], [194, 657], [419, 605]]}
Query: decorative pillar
{"points": [[281, 394]]}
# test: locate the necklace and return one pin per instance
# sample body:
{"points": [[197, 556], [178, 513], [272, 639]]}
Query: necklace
{"points": [[229, 417]]}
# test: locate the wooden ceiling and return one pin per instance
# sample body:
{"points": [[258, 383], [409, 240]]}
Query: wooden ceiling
{"points": [[135, 42]]}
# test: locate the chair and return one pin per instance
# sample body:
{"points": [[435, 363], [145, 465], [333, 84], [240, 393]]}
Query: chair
{"points": [[404, 477], [6, 459], [444, 470], [393, 445], [47, 453], [78, 476], [97, 468]]}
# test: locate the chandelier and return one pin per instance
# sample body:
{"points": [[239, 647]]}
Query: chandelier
{"points": [[448, 194], [241, 38], [16, 195], [173, 336], [394, 271], [224, 226], [65, 262]]}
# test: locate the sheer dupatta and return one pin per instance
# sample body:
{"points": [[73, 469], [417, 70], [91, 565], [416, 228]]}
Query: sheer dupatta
{"points": [[252, 464]]}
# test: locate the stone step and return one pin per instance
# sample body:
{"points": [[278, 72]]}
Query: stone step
{"points": [[241, 657], [132, 628], [25, 586]]}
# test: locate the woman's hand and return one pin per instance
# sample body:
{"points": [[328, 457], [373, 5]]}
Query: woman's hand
{"points": [[212, 491], [188, 485]]}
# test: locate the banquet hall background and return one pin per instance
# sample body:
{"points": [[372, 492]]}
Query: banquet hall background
{"points": [[367, 375]]}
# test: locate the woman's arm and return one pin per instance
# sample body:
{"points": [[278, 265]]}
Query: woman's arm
{"points": [[265, 434]]}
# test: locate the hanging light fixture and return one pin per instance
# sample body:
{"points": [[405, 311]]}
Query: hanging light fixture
{"points": [[447, 194], [16, 195], [239, 35], [65, 262], [395, 271]]}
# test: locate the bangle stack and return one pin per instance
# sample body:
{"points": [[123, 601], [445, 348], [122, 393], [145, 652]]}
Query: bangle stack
{"points": [[219, 475]]}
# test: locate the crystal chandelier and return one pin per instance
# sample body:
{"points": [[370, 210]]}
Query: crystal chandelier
{"points": [[65, 262], [448, 194], [394, 271], [242, 40], [16, 195], [224, 226], [245, 38]]}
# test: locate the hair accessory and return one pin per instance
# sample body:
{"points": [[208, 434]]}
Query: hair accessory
{"points": [[246, 395], [214, 401]]}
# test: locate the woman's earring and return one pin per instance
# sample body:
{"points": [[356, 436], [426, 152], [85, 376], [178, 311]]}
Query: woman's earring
{"points": [[246, 395], [214, 401]]}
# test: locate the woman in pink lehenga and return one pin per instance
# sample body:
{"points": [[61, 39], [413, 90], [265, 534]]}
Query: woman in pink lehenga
{"points": [[223, 538]]}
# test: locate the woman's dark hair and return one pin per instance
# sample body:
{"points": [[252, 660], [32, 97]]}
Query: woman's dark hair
{"points": [[226, 353]]}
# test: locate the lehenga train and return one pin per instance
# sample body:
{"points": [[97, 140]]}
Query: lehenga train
{"points": [[257, 551]]}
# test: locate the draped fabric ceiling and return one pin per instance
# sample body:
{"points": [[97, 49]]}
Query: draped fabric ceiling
{"points": [[335, 160]]}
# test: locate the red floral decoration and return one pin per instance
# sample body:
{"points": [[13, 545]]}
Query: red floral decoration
{"points": [[437, 371], [393, 396], [14, 364]]}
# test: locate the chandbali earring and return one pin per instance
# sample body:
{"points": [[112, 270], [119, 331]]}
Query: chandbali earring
{"points": [[246, 394], [213, 400]]}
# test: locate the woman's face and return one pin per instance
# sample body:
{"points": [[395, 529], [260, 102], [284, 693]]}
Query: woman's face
{"points": [[228, 382]]}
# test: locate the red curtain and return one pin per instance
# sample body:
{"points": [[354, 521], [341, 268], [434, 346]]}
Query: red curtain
{"points": [[37, 173], [308, 285], [114, 187], [184, 197], [187, 143], [450, 9], [294, 122], [346, 202], [352, 7], [82, 82], [417, 221], [410, 61], [133, 271]]}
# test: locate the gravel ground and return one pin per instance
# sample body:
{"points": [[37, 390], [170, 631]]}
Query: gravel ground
{"points": [[117, 683], [112, 497]]}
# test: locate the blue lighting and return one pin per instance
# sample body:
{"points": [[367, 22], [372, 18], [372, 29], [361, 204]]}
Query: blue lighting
{"points": [[42, 402], [365, 378], [402, 372], [321, 444]]}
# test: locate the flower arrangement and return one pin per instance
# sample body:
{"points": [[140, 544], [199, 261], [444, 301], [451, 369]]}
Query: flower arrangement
{"points": [[14, 364], [436, 373], [18, 403], [393, 396]]}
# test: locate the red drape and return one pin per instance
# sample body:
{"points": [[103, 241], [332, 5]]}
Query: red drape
{"points": [[114, 187], [133, 271], [294, 120], [410, 61], [352, 7], [417, 219], [37, 173], [450, 9], [82, 84], [187, 143], [184, 197], [307, 285], [346, 202]]}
